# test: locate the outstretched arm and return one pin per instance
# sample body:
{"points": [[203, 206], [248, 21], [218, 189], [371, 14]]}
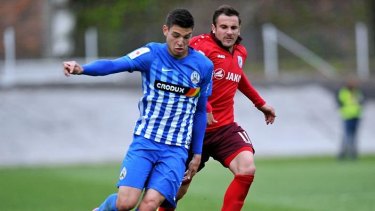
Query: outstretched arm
{"points": [[72, 68], [97, 68]]}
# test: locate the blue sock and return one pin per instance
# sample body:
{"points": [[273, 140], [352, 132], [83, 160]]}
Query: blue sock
{"points": [[109, 204]]}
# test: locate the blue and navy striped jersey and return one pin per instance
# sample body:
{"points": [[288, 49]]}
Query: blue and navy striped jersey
{"points": [[171, 88]]}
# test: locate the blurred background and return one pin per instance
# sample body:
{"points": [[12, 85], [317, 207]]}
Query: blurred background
{"points": [[300, 52]]}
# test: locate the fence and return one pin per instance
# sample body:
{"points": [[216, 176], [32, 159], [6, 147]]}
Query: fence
{"points": [[272, 38]]}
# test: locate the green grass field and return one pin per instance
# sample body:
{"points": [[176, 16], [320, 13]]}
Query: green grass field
{"points": [[281, 184]]}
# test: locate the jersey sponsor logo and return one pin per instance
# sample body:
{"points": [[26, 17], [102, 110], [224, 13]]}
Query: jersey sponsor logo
{"points": [[221, 56], [233, 77], [177, 89], [195, 77], [219, 73], [134, 54], [240, 61]]}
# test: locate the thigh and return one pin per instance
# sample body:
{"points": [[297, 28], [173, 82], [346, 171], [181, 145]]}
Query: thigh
{"points": [[137, 164], [227, 142], [168, 172]]}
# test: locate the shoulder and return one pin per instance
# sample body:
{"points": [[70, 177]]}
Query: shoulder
{"points": [[154, 46], [200, 39], [202, 42], [199, 56], [241, 49]]}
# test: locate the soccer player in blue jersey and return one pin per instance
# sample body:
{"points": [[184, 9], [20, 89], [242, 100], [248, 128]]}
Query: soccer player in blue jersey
{"points": [[176, 82]]}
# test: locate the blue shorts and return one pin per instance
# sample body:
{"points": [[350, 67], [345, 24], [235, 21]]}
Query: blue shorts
{"points": [[149, 164]]}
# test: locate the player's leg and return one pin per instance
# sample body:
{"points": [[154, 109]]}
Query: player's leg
{"points": [[135, 169], [151, 200], [125, 199], [165, 179], [243, 169], [234, 150], [165, 206]]}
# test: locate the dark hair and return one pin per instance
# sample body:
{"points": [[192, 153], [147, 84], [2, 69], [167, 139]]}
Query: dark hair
{"points": [[180, 17], [226, 10]]}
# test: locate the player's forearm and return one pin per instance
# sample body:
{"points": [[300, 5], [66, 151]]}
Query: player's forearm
{"points": [[199, 126], [105, 67], [250, 92]]}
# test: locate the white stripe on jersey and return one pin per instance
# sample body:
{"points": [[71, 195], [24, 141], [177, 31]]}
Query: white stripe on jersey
{"points": [[180, 135], [143, 123], [155, 114], [164, 120]]}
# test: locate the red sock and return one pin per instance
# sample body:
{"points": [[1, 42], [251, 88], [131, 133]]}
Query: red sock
{"points": [[165, 209], [236, 192]]}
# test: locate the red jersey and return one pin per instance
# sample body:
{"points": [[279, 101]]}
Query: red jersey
{"points": [[228, 76]]}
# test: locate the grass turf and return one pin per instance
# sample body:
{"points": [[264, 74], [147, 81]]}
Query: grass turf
{"points": [[282, 184]]}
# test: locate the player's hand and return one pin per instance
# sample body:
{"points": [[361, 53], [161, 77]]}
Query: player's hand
{"points": [[269, 113], [210, 118], [72, 67], [193, 167]]}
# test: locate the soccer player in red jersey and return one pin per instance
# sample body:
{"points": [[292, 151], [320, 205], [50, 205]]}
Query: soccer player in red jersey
{"points": [[225, 140]]}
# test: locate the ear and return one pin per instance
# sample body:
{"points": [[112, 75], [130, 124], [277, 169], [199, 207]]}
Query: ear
{"points": [[213, 28], [165, 30]]}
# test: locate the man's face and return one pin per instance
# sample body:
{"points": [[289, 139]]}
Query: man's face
{"points": [[227, 30], [177, 39]]}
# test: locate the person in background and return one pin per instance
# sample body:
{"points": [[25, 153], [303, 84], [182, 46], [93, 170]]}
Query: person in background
{"points": [[225, 140], [350, 100], [176, 82]]}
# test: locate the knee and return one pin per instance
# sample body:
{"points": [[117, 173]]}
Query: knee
{"points": [[149, 204], [124, 204], [248, 169]]}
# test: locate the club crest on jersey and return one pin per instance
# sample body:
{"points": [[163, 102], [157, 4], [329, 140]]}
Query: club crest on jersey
{"points": [[219, 73], [195, 77], [240, 61], [134, 54], [177, 89]]}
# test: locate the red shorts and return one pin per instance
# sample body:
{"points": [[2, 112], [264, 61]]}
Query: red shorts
{"points": [[224, 144]]}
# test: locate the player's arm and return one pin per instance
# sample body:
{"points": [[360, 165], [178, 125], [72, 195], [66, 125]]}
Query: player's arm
{"points": [[250, 92], [97, 68], [199, 128], [139, 59]]}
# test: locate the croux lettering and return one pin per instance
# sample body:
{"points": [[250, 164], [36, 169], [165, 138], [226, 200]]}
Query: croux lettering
{"points": [[168, 87]]}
